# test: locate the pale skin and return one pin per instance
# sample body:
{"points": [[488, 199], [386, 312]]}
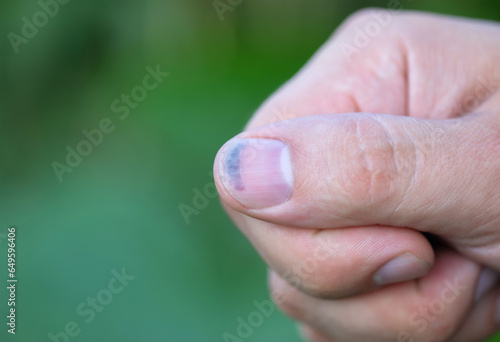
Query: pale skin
{"points": [[398, 139]]}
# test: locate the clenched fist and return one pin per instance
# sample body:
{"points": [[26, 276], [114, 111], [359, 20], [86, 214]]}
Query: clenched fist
{"points": [[370, 182]]}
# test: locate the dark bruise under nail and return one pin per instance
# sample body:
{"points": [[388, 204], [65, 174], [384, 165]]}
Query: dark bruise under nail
{"points": [[232, 166]]}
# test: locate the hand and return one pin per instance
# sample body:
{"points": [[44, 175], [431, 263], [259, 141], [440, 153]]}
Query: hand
{"points": [[338, 204]]}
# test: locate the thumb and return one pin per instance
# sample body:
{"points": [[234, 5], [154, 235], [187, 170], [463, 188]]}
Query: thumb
{"points": [[330, 171]]}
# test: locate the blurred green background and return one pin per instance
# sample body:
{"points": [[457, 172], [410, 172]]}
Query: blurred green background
{"points": [[119, 208]]}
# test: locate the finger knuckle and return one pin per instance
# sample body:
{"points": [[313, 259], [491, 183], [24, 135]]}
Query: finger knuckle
{"points": [[373, 23], [358, 17], [374, 166]]}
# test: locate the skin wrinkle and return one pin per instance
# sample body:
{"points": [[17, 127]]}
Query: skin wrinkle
{"points": [[476, 246], [329, 168], [479, 103], [413, 174], [367, 164], [404, 50], [481, 237], [391, 142], [376, 119], [362, 152], [334, 159], [355, 102]]}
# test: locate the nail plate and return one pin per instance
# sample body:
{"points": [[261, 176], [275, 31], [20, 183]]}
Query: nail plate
{"points": [[402, 268], [487, 279], [257, 172]]}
